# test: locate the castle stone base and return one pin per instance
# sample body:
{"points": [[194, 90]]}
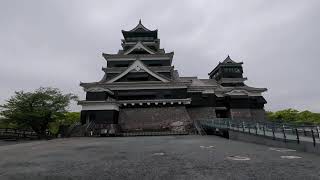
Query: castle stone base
{"points": [[155, 118]]}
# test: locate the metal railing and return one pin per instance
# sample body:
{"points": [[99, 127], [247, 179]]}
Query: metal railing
{"points": [[285, 131], [199, 128], [10, 133]]}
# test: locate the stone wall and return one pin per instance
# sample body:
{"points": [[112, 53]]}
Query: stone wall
{"points": [[201, 112], [258, 114], [250, 114], [154, 118], [240, 113]]}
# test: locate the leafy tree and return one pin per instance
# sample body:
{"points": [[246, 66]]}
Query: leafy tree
{"points": [[294, 116], [287, 115], [37, 109], [68, 119], [5, 123]]}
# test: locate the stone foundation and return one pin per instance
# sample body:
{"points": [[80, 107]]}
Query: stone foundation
{"points": [[201, 113], [240, 113], [249, 114], [258, 114], [155, 118]]}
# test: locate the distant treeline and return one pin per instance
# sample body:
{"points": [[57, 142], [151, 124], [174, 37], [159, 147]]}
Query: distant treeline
{"points": [[294, 116]]}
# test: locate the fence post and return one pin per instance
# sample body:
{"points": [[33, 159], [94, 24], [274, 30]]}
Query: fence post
{"points": [[237, 125], [264, 130], [249, 128], [273, 135], [318, 133], [313, 138], [297, 133], [242, 126], [284, 134], [293, 128], [257, 129]]}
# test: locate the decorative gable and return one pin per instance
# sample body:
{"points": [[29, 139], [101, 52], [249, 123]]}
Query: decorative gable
{"points": [[238, 93], [138, 66], [139, 46]]}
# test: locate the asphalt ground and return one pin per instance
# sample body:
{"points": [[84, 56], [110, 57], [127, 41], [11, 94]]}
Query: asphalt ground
{"points": [[12, 141], [154, 157]]}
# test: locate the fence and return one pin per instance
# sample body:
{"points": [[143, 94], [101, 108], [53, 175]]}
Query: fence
{"points": [[285, 132], [9, 133]]}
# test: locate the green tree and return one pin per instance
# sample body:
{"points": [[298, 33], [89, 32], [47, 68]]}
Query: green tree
{"points": [[37, 109], [294, 116], [68, 119], [286, 115]]}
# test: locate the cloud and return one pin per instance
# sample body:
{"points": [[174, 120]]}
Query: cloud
{"points": [[59, 43]]}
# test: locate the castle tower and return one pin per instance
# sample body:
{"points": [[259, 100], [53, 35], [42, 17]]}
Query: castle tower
{"points": [[141, 90]]}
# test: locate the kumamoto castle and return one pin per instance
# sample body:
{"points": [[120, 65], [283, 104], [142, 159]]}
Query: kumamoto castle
{"points": [[141, 90]]}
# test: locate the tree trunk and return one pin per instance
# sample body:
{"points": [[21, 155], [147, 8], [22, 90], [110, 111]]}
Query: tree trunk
{"points": [[42, 135], [41, 132]]}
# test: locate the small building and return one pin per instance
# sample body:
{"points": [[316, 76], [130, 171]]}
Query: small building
{"points": [[141, 90]]}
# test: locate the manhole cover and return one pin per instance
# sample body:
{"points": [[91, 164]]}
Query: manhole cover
{"points": [[282, 149], [206, 147], [238, 158], [158, 154], [290, 157]]}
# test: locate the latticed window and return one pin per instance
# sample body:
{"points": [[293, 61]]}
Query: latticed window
{"points": [[232, 70]]}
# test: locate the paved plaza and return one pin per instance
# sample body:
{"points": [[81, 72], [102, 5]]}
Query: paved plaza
{"points": [[154, 157]]}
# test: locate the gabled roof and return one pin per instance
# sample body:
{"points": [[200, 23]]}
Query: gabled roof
{"points": [[141, 31], [139, 45], [137, 66], [140, 27], [228, 60]]}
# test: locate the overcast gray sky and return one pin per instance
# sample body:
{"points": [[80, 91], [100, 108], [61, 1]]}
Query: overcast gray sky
{"points": [[59, 43]]}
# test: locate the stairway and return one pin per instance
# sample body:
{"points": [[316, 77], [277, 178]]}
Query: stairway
{"points": [[199, 128], [76, 130]]}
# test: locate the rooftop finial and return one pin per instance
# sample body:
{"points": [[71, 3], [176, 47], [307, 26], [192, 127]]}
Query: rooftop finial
{"points": [[228, 60], [139, 21]]}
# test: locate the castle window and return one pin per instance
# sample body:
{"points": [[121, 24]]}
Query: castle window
{"points": [[232, 70]]}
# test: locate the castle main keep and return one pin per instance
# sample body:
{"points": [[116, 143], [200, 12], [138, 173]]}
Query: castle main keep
{"points": [[141, 90]]}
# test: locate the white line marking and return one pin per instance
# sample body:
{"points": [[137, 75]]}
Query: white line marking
{"points": [[158, 154], [207, 147], [238, 158], [290, 157], [282, 149]]}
